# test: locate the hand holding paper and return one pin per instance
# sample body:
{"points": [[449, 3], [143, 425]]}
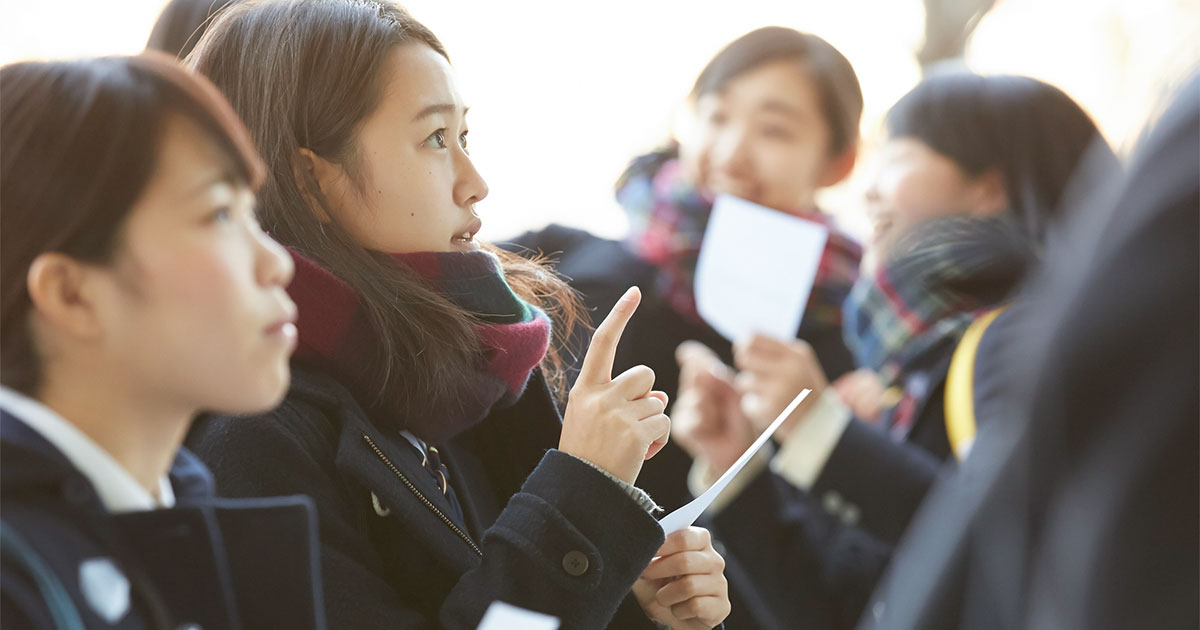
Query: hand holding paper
{"points": [[687, 515]]}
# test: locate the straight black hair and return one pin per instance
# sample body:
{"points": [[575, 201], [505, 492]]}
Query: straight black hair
{"points": [[80, 143], [181, 24], [1032, 132], [831, 74]]}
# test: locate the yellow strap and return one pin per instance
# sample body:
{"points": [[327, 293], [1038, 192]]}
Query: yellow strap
{"points": [[960, 386]]}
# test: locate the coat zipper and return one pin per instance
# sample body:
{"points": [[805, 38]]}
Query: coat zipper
{"points": [[429, 504]]}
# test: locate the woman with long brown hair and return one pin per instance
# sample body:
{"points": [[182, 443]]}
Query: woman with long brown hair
{"points": [[421, 405], [137, 291]]}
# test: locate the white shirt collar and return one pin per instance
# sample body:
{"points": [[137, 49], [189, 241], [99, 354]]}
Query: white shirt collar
{"points": [[117, 488]]}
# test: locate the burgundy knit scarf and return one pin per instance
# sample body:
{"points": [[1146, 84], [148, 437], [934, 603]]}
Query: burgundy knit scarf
{"points": [[335, 338]]}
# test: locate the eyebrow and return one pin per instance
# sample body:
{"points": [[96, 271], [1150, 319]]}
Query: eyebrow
{"points": [[439, 108], [223, 176], [780, 107]]}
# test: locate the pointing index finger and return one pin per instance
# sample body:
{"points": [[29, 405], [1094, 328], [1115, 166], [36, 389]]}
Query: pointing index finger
{"points": [[598, 362]]}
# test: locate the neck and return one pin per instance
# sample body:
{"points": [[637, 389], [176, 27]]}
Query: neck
{"points": [[141, 433]]}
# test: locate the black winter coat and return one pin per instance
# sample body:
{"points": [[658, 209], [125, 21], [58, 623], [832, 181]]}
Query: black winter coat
{"points": [[543, 530], [204, 563]]}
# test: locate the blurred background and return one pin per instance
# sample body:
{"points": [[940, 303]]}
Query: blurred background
{"points": [[564, 94]]}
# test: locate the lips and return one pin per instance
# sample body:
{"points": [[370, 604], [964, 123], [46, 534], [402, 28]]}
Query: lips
{"points": [[284, 328], [467, 236]]}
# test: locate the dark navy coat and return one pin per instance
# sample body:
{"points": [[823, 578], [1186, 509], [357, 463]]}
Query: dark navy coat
{"points": [[541, 530], [205, 563]]}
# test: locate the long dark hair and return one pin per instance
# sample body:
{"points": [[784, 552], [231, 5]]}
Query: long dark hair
{"points": [[81, 139], [1031, 131], [837, 87], [181, 24], [305, 74]]}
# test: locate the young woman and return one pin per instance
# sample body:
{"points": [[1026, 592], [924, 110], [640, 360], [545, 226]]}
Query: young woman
{"points": [[966, 187], [773, 118], [420, 410], [138, 290]]}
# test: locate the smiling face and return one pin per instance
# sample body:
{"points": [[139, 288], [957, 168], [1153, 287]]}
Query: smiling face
{"points": [[411, 186], [763, 138], [192, 309], [913, 183]]}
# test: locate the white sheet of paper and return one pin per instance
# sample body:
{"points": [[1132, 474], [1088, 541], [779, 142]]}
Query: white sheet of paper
{"points": [[686, 515], [502, 616], [756, 269]]}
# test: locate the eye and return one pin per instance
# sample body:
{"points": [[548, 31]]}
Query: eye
{"points": [[776, 132], [462, 142], [437, 139], [220, 215], [717, 118]]}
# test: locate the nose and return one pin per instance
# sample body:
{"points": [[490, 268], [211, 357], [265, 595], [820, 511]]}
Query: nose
{"points": [[273, 266], [731, 151], [469, 187]]}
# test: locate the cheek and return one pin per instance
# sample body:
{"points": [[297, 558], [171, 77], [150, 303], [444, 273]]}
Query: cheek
{"points": [[789, 173], [413, 214]]}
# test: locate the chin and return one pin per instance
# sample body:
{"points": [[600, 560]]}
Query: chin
{"points": [[258, 394]]}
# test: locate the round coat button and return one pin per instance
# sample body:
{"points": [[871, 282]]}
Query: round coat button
{"points": [[575, 563]]}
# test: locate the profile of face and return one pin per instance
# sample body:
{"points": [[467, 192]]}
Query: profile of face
{"points": [[912, 183], [412, 187], [764, 138], [190, 312]]}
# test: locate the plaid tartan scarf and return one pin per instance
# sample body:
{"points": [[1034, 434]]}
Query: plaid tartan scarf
{"points": [[334, 336], [667, 219], [916, 306]]}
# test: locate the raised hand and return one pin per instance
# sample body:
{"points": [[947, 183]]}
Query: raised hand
{"points": [[614, 423]]}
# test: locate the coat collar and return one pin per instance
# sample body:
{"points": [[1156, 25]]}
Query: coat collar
{"points": [[510, 442], [29, 461]]}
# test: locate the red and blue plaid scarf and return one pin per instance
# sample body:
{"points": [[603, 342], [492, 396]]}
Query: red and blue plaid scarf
{"points": [[668, 216], [334, 336], [907, 318]]}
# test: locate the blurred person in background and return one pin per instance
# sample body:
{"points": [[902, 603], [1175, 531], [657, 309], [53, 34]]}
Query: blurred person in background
{"points": [[138, 291], [1080, 510], [774, 117], [963, 194]]}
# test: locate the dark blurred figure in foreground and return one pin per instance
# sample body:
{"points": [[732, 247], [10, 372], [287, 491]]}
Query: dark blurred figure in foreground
{"points": [[1082, 512], [181, 24]]}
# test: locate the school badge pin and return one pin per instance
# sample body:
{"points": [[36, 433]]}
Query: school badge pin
{"points": [[105, 588]]}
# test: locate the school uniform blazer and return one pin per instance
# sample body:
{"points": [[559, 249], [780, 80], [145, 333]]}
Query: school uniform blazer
{"points": [[543, 530], [810, 565], [204, 563]]}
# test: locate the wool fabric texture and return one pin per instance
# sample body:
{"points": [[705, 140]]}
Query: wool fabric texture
{"points": [[335, 337]]}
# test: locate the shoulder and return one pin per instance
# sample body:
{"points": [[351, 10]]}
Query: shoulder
{"points": [[256, 455]]}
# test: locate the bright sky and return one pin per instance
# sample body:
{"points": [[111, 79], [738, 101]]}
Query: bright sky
{"points": [[563, 94]]}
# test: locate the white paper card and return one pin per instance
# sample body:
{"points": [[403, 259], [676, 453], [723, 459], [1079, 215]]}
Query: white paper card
{"points": [[502, 616], [756, 269], [686, 515]]}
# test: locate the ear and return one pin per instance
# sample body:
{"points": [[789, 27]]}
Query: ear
{"points": [[990, 194], [839, 167], [64, 295], [317, 179]]}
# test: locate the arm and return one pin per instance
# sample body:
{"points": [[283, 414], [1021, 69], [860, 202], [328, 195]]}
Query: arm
{"points": [[565, 506]]}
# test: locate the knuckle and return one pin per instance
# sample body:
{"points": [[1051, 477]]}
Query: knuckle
{"points": [[687, 587]]}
